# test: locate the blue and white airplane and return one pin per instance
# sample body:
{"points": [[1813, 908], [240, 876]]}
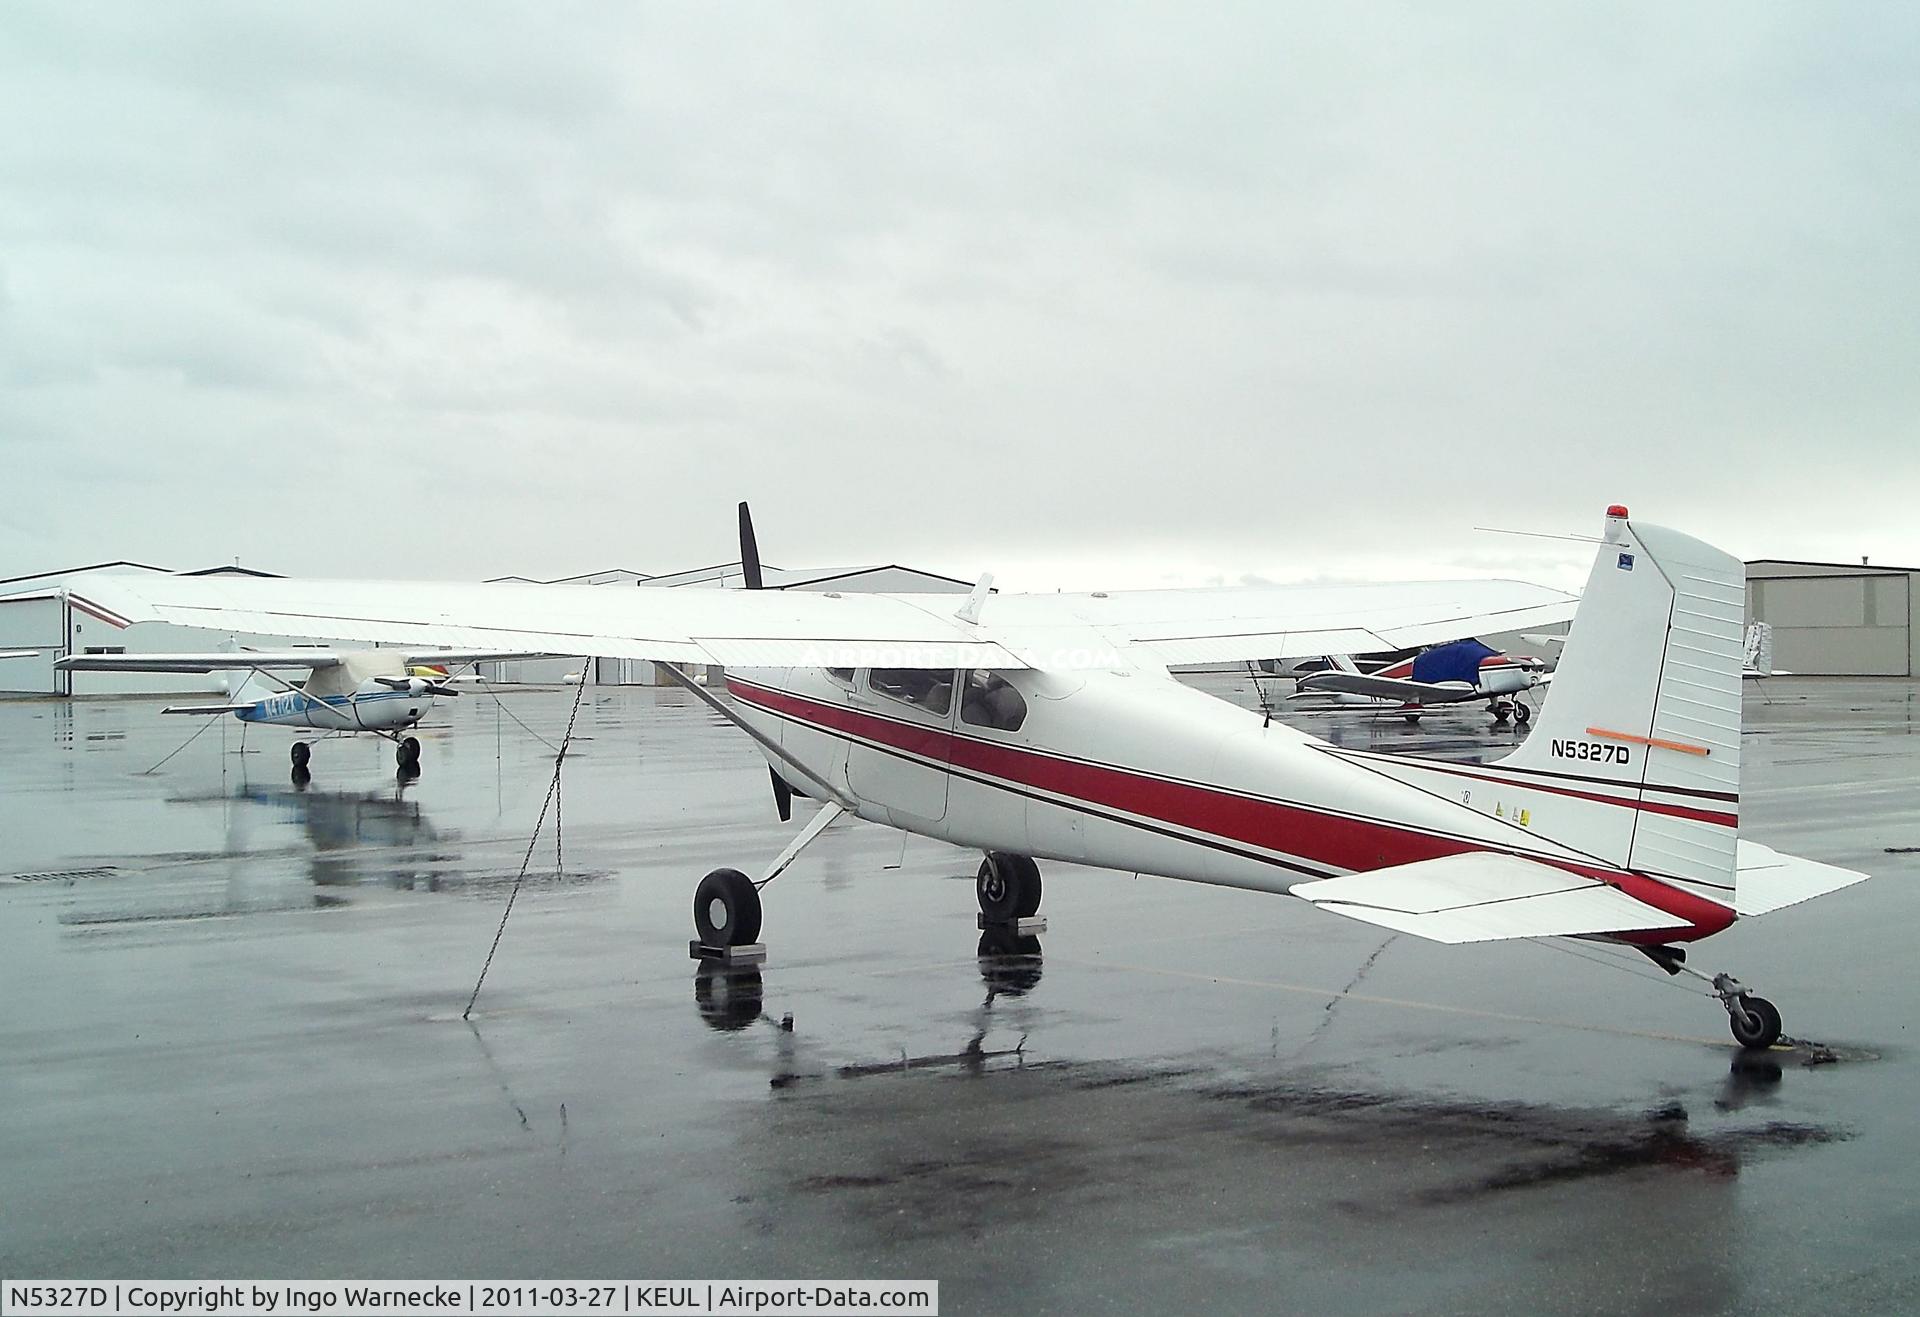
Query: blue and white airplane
{"points": [[377, 692]]}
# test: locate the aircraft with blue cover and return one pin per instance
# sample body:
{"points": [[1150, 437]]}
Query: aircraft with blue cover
{"points": [[1459, 672]]}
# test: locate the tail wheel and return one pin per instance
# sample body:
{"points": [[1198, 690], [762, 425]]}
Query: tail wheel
{"points": [[1008, 887], [1756, 1024], [726, 909]]}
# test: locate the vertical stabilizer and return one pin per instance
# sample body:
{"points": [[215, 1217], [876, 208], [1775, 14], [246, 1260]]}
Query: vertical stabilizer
{"points": [[1644, 709]]}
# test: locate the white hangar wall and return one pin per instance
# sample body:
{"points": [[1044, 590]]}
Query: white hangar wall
{"points": [[1836, 619], [39, 612]]}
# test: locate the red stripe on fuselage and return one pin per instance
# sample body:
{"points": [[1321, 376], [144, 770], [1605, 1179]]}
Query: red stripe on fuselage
{"points": [[1720, 818], [1300, 830]]}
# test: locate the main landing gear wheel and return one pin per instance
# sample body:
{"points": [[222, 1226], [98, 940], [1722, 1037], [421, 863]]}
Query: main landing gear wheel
{"points": [[1756, 1023], [726, 910], [1499, 715], [302, 752], [406, 752], [1521, 713], [1008, 887]]}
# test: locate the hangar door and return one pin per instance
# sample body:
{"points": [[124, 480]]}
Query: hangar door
{"points": [[1851, 625], [39, 620]]}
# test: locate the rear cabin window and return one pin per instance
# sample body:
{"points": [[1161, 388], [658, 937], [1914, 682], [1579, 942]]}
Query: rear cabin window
{"points": [[924, 688], [990, 700]]}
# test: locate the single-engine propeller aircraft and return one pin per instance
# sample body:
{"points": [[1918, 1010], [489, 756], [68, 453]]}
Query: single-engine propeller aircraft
{"points": [[1460, 672], [377, 692], [1045, 726]]}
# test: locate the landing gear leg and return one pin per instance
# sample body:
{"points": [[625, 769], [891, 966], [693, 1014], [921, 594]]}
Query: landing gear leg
{"points": [[1755, 1020], [726, 904]]}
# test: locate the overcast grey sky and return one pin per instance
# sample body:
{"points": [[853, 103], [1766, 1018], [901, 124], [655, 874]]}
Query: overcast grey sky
{"points": [[1079, 294]]}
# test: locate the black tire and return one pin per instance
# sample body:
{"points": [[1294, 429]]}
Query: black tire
{"points": [[1008, 887], [412, 746], [729, 999], [1499, 717], [1521, 713], [1757, 1024], [726, 909], [301, 753], [1413, 719], [1029, 887]]}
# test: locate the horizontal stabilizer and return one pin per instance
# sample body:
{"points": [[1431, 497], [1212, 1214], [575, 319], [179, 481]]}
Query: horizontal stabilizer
{"points": [[1767, 880], [205, 708], [1385, 688], [1483, 897]]}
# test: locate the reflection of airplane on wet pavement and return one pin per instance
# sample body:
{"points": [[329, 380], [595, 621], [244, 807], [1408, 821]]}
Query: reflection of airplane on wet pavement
{"points": [[1460, 672], [378, 692], [1047, 726]]}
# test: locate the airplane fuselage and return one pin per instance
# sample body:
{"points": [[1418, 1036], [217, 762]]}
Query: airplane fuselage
{"points": [[372, 708], [1162, 779]]}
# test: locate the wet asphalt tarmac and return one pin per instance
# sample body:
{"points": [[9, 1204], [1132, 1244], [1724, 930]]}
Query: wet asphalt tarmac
{"points": [[232, 1046]]}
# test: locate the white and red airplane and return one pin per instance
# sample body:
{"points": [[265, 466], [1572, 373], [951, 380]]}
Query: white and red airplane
{"points": [[1046, 727], [377, 692], [1459, 672]]}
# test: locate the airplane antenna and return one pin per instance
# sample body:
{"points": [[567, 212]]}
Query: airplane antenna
{"points": [[1266, 702], [553, 790], [1539, 534], [969, 612]]}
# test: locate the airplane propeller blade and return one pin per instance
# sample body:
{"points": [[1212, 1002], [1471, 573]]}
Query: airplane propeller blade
{"points": [[419, 685], [749, 551]]}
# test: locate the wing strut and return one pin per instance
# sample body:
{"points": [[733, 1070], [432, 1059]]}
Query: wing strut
{"points": [[772, 747]]}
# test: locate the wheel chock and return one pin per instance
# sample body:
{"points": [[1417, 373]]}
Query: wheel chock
{"points": [[753, 953], [1031, 926]]}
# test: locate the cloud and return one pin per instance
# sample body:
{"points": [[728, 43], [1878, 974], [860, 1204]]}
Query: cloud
{"points": [[1075, 294]]}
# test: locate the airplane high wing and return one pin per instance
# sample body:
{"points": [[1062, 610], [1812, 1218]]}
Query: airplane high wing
{"points": [[747, 628], [267, 660]]}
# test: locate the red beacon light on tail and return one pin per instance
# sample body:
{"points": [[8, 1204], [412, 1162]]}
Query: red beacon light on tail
{"points": [[1618, 510]]}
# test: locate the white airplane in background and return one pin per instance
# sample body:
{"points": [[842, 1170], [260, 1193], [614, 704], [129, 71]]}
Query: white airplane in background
{"points": [[376, 692], [1460, 672], [1046, 726]]}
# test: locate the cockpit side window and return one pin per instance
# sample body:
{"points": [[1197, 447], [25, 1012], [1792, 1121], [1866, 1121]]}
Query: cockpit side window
{"points": [[842, 675], [930, 689], [989, 700]]}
